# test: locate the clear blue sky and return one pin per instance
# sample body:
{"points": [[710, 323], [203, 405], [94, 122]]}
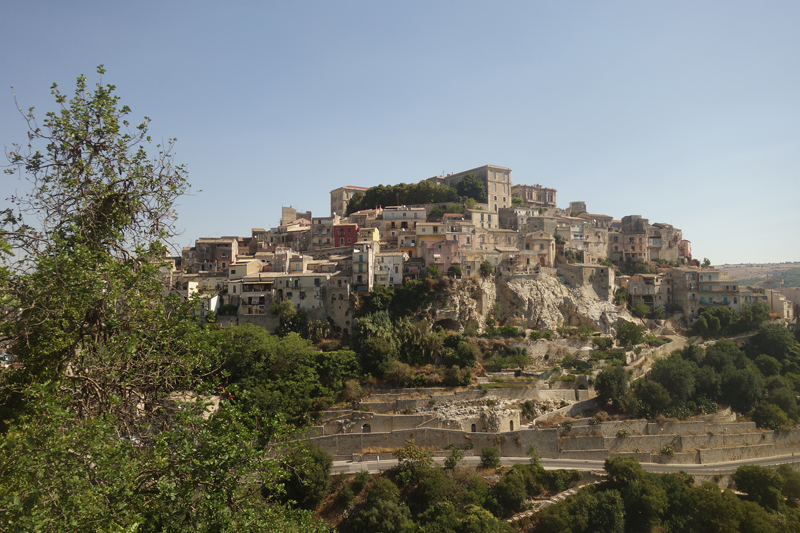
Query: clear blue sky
{"points": [[683, 112]]}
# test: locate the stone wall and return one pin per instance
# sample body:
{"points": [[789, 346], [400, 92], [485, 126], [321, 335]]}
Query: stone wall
{"points": [[718, 455], [511, 444], [376, 423], [570, 410], [642, 443]]}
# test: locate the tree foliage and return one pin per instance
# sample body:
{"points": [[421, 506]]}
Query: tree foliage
{"points": [[612, 384], [631, 334], [106, 423], [472, 187]]}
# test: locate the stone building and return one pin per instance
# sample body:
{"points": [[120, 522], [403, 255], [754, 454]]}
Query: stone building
{"points": [[535, 195], [497, 180], [341, 197], [653, 290]]}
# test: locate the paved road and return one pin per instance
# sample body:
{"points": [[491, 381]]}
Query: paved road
{"points": [[569, 464]]}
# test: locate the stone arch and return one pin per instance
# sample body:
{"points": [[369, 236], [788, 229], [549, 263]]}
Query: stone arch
{"points": [[366, 428], [511, 425], [474, 428]]}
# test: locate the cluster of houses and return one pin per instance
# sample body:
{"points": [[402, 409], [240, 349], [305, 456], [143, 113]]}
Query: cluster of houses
{"points": [[316, 262]]}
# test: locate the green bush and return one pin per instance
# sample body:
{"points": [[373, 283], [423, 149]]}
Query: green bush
{"points": [[490, 457]]}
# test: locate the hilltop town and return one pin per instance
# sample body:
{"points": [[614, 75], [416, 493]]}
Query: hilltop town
{"points": [[317, 262]]}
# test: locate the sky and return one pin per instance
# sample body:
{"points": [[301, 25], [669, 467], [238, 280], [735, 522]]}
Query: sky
{"points": [[686, 113]]}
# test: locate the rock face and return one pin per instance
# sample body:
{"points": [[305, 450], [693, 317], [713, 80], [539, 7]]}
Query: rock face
{"points": [[537, 302]]}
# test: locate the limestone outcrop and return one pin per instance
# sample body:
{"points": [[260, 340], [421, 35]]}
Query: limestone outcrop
{"points": [[536, 302]]}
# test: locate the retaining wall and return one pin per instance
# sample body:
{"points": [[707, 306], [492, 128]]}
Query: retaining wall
{"points": [[718, 455], [582, 443], [584, 455], [511, 444], [378, 423], [643, 443]]}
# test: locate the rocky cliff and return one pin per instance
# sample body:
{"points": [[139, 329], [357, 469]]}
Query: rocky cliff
{"points": [[536, 302]]}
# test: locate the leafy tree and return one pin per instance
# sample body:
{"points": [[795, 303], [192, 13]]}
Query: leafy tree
{"points": [[516, 201], [310, 476], [620, 296], [785, 399], [743, 389], [433, 271], [774, 340], [412, 457], [770, 416], [490, 457], [631, 334], [472, 187], [654, 396], [436, 213], [791, 483], [355, 204], [382, 517], [508, 494], [559, 239], [455, 457], [640, 310], [676, 375], [486, 269], [97, 435], [612, 385], [761, 485], [769, 366]]}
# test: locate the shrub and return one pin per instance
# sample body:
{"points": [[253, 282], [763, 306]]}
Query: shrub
{"points": [[668, 450], [360, 481], [603, 343], [346, 495], [490, 457], [622, 433]]}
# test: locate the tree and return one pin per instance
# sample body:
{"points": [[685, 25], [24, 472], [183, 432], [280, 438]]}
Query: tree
{"points": [[611, 385], [516, 201], [761, 485], [640, 310], [774, 340], [412, 457], [472, 187], [769, 416], [490, 457], [676, 375], [486, 269], [113, 390], [743, 389], [769, 366], [631, 334], [433, 271], [654, 396], [455, 457], [88, 286], [355, 204], [309, 476]]}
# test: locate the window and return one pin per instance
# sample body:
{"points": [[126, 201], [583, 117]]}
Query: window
{"points": [[233, 272]]}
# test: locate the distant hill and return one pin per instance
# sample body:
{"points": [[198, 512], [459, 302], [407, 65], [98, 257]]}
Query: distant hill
{"points": [[787, 274]]}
